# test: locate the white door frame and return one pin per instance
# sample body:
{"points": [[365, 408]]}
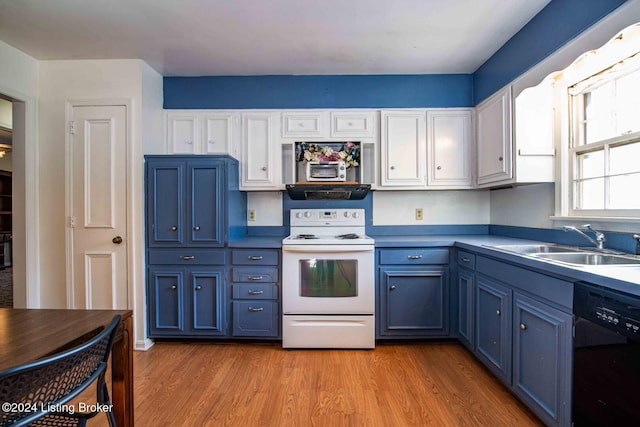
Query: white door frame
{"points": [[26, 248], [131, 247]]}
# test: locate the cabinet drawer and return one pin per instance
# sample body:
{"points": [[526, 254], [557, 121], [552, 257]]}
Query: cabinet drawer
{"points": [[254, 291], [255, 274], [255, 319], [467, 260], [414, 256], [187, 256], [254, 257]]}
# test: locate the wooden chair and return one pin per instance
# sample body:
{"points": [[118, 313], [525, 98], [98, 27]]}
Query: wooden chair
{"points": [[38, 392]]}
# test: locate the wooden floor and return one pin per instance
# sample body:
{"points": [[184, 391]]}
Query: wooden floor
{"points": [[246, 384]]}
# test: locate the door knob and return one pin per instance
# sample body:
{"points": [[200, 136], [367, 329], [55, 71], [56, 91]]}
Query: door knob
{"points": [[117, 240]]}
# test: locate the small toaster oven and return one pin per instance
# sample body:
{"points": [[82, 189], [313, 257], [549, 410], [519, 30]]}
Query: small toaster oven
{"points": [[326, 171]]}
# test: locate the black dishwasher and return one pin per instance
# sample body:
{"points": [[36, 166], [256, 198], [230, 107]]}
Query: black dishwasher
{"points": [[606, 357]]}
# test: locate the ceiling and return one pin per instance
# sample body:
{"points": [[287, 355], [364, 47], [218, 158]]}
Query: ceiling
{"points": [[266, 37]]}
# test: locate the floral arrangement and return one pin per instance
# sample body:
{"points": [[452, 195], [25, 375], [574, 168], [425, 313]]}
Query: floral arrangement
{"points": [[349, 153]]}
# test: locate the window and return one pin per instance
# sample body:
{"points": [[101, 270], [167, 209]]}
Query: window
{"points": [[604, 152]]}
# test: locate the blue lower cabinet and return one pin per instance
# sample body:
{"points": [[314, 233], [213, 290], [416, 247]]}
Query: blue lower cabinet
{"points": [[186, 302], [542, 359], [255, 318], [493, 327], [413, 302], [466, 298], [255, 293]]}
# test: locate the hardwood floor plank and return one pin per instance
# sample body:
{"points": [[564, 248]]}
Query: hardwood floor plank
{"points": [[249, 384]]}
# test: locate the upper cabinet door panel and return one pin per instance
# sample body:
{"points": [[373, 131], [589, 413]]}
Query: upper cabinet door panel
{"points": [[403, 149], [261, 155], [165, 208], [218, 133], [449, 144], [183, 133], [303, 125], [353, 124], [205, 203], [494, 138]]}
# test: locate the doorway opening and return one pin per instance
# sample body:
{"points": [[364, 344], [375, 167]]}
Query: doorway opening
{"points": [[6, 201]]}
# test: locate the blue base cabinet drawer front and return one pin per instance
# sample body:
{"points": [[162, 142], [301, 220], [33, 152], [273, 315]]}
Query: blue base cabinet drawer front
{"points": [[466, 260], [254, 257], [186, 256], [414, 256], [254, 291], [255, 319], [255, 274]]}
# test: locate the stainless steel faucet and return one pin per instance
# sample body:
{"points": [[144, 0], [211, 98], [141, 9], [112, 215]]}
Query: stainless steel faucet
{"points": [[599, 237]]}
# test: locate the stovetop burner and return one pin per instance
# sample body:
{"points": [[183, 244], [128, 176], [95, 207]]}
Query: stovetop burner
{"points": [[306, 236], [348, 236]]}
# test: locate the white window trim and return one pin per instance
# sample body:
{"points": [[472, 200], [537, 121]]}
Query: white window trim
{"points": [[583, 68]]}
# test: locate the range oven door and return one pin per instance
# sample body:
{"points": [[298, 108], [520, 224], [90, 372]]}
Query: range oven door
{"points": [[328, 279]]}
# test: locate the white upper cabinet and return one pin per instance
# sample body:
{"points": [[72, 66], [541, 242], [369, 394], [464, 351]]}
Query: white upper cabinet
{"points": [[449, 148], [261, 157], [182, 133], [494, 138], [203, 132], [218, 131], [524, 153], [402, 149], [353, 124]]}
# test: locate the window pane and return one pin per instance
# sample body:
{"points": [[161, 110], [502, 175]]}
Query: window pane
{"points": [[628, 103], [623, 190], [590, 194], [590, 165], [599, 129], [328, 278], [624, 158]]}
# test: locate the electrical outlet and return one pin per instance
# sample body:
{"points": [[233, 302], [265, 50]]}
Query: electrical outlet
{"points": [[419, 214], [252, 215]]}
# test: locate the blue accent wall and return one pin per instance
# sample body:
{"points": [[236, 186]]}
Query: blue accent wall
{"points": [[330, 91], [558, 23]]}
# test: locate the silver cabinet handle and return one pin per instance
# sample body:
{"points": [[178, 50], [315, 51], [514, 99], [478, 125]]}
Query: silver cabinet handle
{"points": [[174, 287], [255, 292], [196, 228], [414, 256], [392, 288], [253, 310], [174, 228], [255, 277], [498, 312], [187, 257], [439, 167], [264, 168], [255, 258], [465, 259], [523, 326], [198, 288], [500, 158], [392, 167]]}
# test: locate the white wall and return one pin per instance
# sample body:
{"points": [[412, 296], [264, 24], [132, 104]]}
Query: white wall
{"points": [[525, 206], [440, 207]]}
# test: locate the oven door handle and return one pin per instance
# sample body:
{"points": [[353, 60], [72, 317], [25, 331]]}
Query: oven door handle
{"points": [[327, 249]]}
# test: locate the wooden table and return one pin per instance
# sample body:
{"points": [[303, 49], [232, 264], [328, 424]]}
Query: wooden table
{"points": [[31, 334]]}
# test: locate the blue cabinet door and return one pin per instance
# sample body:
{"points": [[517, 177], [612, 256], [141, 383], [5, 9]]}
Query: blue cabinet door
{"points": [[466, 290], [493, 326], [205, 203], [414, 302], [166, 305], [542, 359], [255, 319], [165, 208], [207, 301]]}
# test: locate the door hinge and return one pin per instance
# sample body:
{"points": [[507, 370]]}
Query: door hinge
{"points": [[72, 221], [72, 127]]}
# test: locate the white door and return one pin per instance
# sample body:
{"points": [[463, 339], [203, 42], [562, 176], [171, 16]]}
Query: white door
{"points": [[403, 148], [99, 207], [449, 148]]}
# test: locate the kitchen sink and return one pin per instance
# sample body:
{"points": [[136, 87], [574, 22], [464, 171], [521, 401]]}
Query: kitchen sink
{"points": [[586, 258], [535, 249]]}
